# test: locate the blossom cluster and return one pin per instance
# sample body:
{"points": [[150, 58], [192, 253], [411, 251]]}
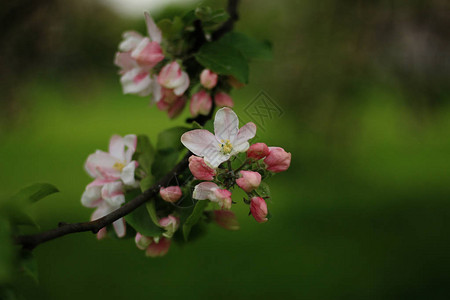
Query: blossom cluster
{"points": [[147, 67]]}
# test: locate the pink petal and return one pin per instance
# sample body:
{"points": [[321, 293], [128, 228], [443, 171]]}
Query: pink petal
{"points": [[147, 53], [182, 85], [120, 227], [201, 142], [92, 196], [204, 190], [134, 82], [226, 124], [125, 61], [153, 30], [117, 147], [100, 165]]}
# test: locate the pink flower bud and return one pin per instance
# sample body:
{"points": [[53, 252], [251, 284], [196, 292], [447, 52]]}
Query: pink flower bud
{"points": [[223, 198], [226, 219], [258, 208], [249, 181], [171, 193], [176, 108], [201, 103], [172, 77], [158, 247], [142, 242], [223, 99], [200, 169], [278, 160], [147, 54], [258, 151], [170, 224], [208, 79]]}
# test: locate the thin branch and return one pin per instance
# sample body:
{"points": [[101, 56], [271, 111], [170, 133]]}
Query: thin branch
{"points": [[32, 241]]}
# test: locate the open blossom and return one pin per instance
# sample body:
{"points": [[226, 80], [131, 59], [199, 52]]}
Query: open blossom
{"points": [[154, 246], [278, 160], [226, 219], [227, 141], [170, 225], [258, 151], [211, 191], [200, 169], [249, 181], [170, 193], [174, 78], [208, 79], [223, 99], [258, 208], [201, 104]]}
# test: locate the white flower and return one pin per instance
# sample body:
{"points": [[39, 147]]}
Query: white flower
{"points": [[227, 141], [211, 191]]}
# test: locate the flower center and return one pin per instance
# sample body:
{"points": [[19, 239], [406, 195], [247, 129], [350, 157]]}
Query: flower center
{"points": [[119, 166], [226, 146]]}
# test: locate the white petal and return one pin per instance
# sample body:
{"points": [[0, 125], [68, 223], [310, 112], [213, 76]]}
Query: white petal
{"points": [[127, 174], [183, 85], [132, 84], [112, 193], [130, 40], [130, 141], [240, 148], [100, 165], [201, 142], [153, 30], [120, 227], [125, 61], [92, 196], [101, 211], [116, 147], [156, 91], [204, 190], [226, 124], [248, 131], [214, 159]]}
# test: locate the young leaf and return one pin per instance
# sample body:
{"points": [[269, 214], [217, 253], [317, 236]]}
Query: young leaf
{"points": [[249, 47], [263, 190], [223, 59], [164, 162], [147, 183], [170, 138], [152, 212], [35, 192], [140, 220], [145, 153], [194, 217]]}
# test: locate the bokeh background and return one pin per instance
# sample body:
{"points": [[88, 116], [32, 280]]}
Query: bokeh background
{"points": [[363, 212]]}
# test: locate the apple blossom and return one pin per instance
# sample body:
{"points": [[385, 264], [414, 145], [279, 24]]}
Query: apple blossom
{"points": [[173, 78], [278, 160], [223, 99], [227, 141], [200, 169], [249, 181], [258, 208], [170, 225], [208, 79], [211, 191], [136, 81], [226, 219], [258, 151], [170, 193], [201, 103], [158, 247]]}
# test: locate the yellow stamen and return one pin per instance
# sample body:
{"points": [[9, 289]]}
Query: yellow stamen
{"points": [[226, 146], [119, 166]]}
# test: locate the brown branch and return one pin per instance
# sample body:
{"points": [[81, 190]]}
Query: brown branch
{"points": [[229, 24], [31, 241]]}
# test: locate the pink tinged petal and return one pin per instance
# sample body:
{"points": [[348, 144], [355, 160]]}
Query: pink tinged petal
{"points": [[201, 103], [113, 195], [171, 193], [101, 165], [102, 210], [147, 53], [169, 74], [130, 142], [208, 79], [247, 132], [170, 225], [117, 147], [136, 81], [204, 191], [156, 90], [130, 41], [102, 233], [201, 142], [176, 108], [226, 219], [226, 125], [249, 181], [278, 160], [153, 30], [223, 197], [258, 209], [159, 248], [200, 169], [183, 85], [92, 196], [142, 242], [223, 99], [119, 227], [127, 174], [125, 61]]}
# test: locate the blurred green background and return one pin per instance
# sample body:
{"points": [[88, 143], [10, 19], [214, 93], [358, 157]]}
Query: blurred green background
{"points": [[363, 212]]}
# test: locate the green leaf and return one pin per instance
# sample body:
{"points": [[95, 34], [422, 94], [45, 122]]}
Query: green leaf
{"points": [[164, 162], [152, 212], [145, 153], [223, 59], [29, 265], [249, 47], [140, 220], [6, 252], [196, 125], [171, 28], [194, 217], [147, 183], [35, 192], [171, 138], [263, 190]]}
